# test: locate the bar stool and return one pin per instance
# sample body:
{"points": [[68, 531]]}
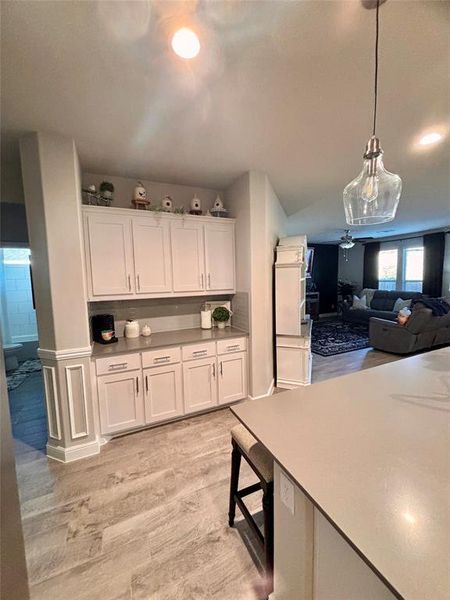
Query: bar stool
{"points": [[244, 444]]}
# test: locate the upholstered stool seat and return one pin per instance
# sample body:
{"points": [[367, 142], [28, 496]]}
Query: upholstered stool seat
{"points": [[245, 445]]}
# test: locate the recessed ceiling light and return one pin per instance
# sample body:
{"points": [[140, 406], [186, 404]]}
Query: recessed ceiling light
{"points": [[430, 138], [185, 43]]}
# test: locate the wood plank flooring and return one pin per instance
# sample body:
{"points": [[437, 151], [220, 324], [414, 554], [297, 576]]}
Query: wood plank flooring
{"points": [[147, 518]]}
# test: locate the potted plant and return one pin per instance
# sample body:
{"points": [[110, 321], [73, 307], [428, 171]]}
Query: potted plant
{"points": [[346, 290], [106, 189], [221, 316]]}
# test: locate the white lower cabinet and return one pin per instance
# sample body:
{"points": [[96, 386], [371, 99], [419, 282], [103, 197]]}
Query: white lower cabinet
{"points": [[154, 386], [163, 393], [200, 384], [121, 401], [232, 377]]}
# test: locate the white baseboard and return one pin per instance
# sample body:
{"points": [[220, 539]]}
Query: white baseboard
{"points": [[268, 393], [66, 455], [287, 384]]}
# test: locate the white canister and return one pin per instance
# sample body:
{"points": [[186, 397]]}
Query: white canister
{"points": [[131, 329], [146, 330], [205, 318]]}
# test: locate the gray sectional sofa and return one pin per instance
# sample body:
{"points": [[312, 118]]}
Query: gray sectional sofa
{"points": [[423, 330], [381, 305]]}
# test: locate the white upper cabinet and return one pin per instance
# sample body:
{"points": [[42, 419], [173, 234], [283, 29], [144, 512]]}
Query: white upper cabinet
{"points": [[137, 254], [110, 255], [152, 264], [219, 257], [187, 257]]}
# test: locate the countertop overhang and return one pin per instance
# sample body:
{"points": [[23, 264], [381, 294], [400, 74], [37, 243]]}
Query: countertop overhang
{"points": [[372, 452], [165, 339]]}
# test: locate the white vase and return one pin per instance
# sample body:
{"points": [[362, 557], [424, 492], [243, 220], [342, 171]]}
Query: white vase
{"points": [[221, 324]]}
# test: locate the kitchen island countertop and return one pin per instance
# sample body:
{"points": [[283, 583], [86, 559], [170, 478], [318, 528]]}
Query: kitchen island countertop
{"points": [[371, 450]]}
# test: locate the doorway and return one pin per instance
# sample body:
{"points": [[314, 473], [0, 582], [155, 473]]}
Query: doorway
{"points": [[20, 343]]}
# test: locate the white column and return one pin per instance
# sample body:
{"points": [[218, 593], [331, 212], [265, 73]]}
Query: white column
{"points": [[51, 177]]}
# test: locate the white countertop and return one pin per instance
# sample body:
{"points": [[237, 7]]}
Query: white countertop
{"points": [[164, 339], [372, 451]]}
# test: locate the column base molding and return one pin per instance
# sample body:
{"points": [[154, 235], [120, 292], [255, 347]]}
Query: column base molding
{"points": [[66, 455], [268, 393]]}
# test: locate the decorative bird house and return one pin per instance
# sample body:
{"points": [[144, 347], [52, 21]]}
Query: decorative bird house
{"points": [[167, 204], [196, 206], [140, 197]]}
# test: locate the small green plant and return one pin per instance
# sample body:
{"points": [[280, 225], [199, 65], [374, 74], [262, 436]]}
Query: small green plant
{"points": [[221, 314], [106, 186]]}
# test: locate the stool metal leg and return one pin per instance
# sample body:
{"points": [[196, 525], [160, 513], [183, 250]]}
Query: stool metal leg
{"points": [[234, 482]]}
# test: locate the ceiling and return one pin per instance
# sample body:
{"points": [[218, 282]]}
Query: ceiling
{"points": [[281, 87]]}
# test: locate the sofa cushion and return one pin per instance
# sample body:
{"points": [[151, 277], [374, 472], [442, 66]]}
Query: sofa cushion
{"points": [[400, 303], [385, 300]]}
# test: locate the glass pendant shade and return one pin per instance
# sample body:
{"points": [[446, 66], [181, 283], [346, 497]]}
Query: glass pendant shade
{"points": [[373, 196]]}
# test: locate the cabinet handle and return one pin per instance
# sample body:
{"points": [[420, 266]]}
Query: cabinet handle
{"points": [[137, 386], [234, 347], [138, 283], [209, 281], [129, 283], [214, 370], [117, 366], [221, 368], [146, 383], [161, 358], [202, 282]]}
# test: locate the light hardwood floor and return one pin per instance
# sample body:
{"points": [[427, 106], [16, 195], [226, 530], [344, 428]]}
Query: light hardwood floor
{"points": [[147, 518]]}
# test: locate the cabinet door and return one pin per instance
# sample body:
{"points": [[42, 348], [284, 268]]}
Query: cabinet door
{"points": [[219, 256], [163, 393], [110, 255], [232, 377], [200, 384], [187, 257], [121, 401], [151, 243]]}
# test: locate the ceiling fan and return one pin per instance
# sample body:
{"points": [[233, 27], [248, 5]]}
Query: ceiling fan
{"points": [[347, 240]]}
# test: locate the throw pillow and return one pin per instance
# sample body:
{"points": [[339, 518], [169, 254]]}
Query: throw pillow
{"points": [[359, 302], [400, 303]]}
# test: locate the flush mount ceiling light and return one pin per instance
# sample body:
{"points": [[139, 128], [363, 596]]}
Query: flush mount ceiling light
{"points": [[185, 43], [431, 138], [373, 196]]}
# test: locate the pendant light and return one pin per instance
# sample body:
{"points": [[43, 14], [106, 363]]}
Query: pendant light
{"points": [[373, 197]]}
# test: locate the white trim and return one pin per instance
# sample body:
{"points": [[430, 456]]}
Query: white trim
{"points": [[70, 399], [56, 435], [131, 212], [268, 393], [289, 384], [46, 354], [66, 455]]}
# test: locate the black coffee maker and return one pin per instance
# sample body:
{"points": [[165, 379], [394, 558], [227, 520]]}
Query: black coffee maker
{"points": [[103, 329]]}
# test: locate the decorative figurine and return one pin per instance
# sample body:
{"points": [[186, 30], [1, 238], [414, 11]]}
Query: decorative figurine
{"points": [[140, 197], [196, 206], [218, 210], [167, 204]]}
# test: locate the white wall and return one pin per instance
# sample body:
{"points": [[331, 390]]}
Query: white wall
{"points": [[260, 222], [352, 270], [124, 186]]}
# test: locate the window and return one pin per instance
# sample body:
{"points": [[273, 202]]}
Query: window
{"points": [[387, 269], [413, 269], [400, 265]]}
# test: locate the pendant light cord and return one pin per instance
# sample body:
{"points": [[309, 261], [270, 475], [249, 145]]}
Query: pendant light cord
{"points": [[377, 32]]}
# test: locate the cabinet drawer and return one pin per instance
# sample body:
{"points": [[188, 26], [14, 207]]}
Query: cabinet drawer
{"points": [[163, 356], [118, 363], [198, 351], [233, 345]]}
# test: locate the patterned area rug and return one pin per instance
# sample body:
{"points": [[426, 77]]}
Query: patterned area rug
{"points": [[335, 337], [18, 376]]}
